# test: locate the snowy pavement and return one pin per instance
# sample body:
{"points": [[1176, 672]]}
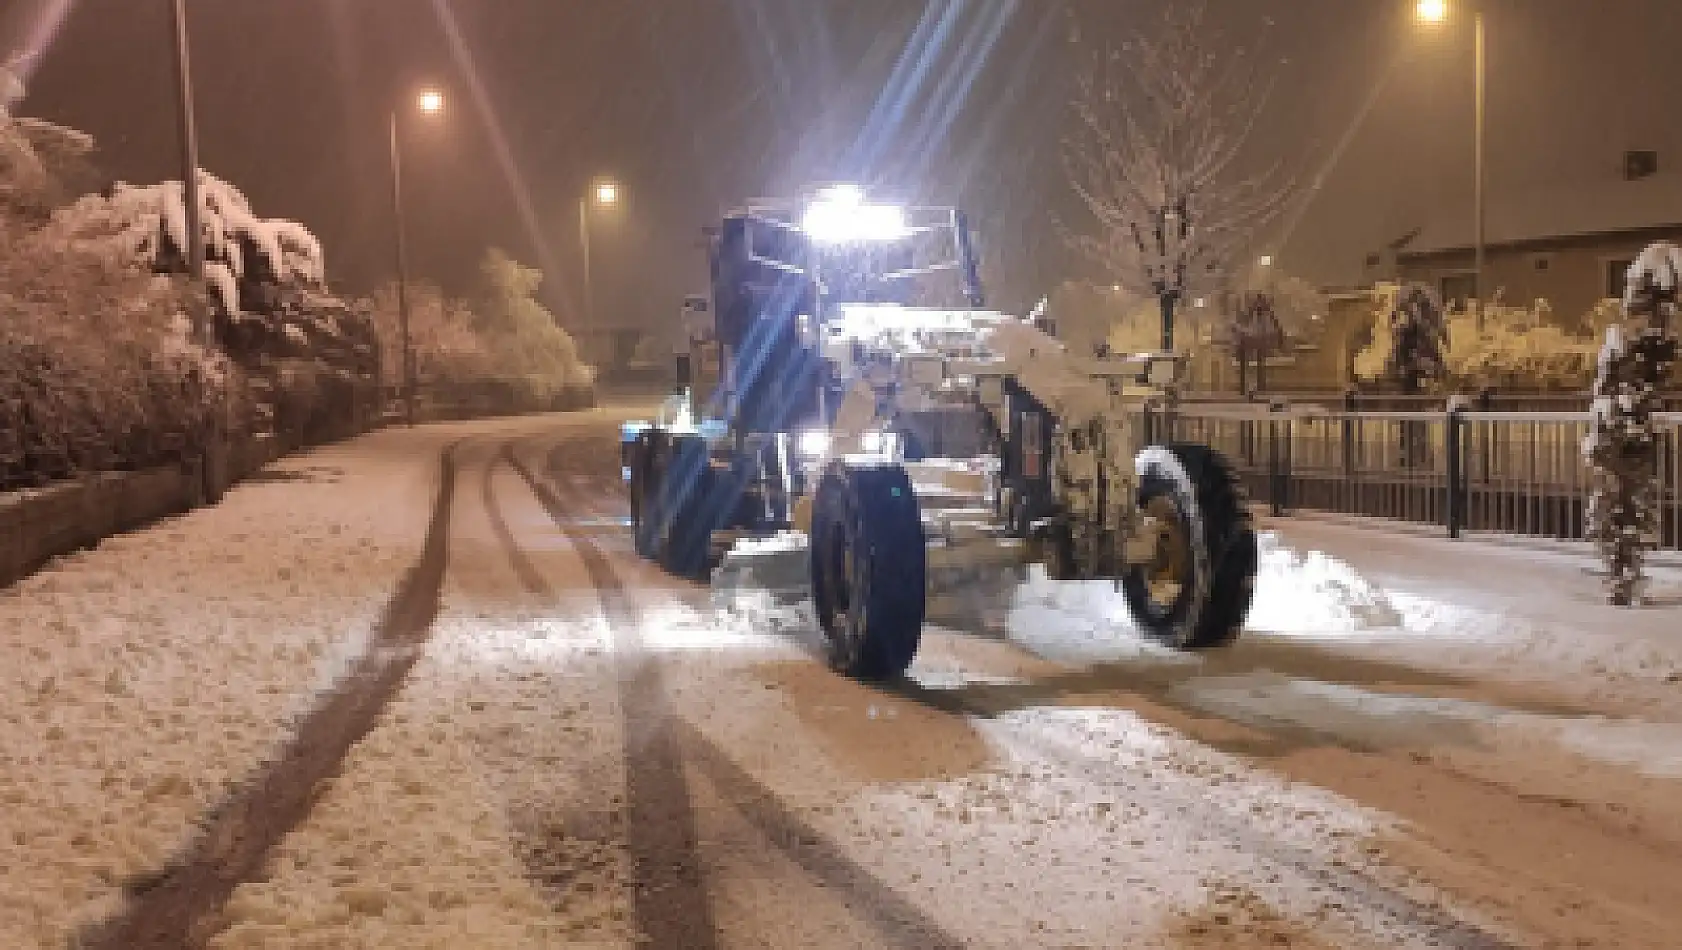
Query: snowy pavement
{"points": [[1417, 743]]}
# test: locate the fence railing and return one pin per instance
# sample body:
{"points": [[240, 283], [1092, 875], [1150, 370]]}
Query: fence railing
{"points": [[1508, 472]]}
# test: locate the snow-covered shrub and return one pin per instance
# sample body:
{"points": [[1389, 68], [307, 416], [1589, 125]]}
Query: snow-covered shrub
{"points": [[521, 334], [442, 337], [1524, 348], [96, 367], [149, 224], [1622, 446], [1517, 349]]}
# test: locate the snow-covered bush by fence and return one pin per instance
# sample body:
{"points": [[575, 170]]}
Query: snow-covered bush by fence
{"points": [[1516, 348], [1622, 446]]}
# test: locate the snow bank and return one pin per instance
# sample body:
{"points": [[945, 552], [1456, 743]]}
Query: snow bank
{"points": [[146, 677], [1307, 594]]}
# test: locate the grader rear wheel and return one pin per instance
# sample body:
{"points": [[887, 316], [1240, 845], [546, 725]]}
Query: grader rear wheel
{"points": [[1196, 592]]}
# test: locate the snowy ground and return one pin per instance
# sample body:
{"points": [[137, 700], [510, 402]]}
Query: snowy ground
{"points": [[1417, 743]]}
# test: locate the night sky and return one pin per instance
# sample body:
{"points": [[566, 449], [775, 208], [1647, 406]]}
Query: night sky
{"points": [[696, 104]]}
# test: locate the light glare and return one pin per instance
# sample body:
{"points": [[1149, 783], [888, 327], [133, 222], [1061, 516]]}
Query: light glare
{"points": [[839, 215], [1432, 11], [431, 102], [607, 193], [813, 442]]}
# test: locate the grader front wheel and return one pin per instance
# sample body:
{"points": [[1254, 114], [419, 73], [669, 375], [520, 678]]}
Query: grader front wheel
{"points": [[868, 567], [1196, 592]]}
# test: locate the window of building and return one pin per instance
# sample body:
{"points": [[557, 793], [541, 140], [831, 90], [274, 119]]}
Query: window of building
{"points": [[1615, 271], [1456, 290]]}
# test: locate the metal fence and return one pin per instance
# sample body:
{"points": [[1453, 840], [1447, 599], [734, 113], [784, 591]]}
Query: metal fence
{"points": [[1509, 472]]}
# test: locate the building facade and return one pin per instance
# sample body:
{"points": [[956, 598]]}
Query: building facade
{"points": [[1569, 246]]}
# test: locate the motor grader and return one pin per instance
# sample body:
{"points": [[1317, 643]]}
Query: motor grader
{"points": [[847, 391]]}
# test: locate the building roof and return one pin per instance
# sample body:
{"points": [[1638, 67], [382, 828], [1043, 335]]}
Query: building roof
{"points": [[1608, 206]]}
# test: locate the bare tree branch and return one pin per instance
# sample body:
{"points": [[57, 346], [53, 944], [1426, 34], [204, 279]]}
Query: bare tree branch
{"points": [[1158, 155]]}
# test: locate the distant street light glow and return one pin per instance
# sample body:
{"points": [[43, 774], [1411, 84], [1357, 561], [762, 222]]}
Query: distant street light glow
{"points": [[430, 102], [1431, 11], [607, 193], [1266, 260]]}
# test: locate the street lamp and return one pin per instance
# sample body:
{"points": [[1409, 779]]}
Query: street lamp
{"points": [[606, 195], [429, 102], [1437, 11]]}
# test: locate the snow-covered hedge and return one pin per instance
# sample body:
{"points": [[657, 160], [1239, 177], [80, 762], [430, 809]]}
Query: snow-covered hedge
{"points": [[96, 368], [1526, 348]]}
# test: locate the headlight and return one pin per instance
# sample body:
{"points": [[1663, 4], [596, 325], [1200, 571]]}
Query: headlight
{"points": [[872, 442], [812, 442]]}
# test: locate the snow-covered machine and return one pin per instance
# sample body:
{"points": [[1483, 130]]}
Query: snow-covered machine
{"points": [[881, 424]]}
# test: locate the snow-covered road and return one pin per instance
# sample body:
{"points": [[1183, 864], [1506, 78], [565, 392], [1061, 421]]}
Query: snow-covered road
{"points": [[415, 691]]}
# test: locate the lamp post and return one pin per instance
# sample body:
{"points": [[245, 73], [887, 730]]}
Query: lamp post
{"points": [[1437, 11], [189, 161], [429, 102], [605, 194]]}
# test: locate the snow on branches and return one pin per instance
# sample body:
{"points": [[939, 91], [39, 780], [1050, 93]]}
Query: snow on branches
{"points": [[1622, 446], [147, 225], [1158, 157]]}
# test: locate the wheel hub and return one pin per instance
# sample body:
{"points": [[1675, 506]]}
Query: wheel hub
{"points": [[1169, 571]]}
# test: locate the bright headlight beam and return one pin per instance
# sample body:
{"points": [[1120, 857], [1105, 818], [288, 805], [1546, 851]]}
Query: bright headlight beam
{"points": [[840, 215], [813, 442]]}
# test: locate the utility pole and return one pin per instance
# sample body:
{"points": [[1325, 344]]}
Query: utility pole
{"points": [[189, 163], [1481, 170]]}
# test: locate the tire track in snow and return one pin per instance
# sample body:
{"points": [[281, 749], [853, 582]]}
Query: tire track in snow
{"points": [[896, 919], [669, 893], [180, 905]]}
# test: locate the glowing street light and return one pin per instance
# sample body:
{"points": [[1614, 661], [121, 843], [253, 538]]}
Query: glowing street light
{"points": [[1266, 260], [430, 102], [1431, 11], [606, 194]]}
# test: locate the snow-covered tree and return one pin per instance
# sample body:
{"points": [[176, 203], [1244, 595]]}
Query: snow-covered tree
{"points": [[1418, 334], [446, 346], [1622, 446], [1158, 155], [521, 334]]}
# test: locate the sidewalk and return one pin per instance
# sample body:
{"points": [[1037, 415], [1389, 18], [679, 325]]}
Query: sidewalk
{"points": [[1511, 609]]}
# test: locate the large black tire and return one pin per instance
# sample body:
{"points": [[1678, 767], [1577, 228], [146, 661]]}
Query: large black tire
{"points": [[1195, 489], [686, 509], [869, 565], [644, 491]]}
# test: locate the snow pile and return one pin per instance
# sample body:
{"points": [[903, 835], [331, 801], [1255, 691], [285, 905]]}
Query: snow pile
{"points": [[1315, 593], [1310, 594]]}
